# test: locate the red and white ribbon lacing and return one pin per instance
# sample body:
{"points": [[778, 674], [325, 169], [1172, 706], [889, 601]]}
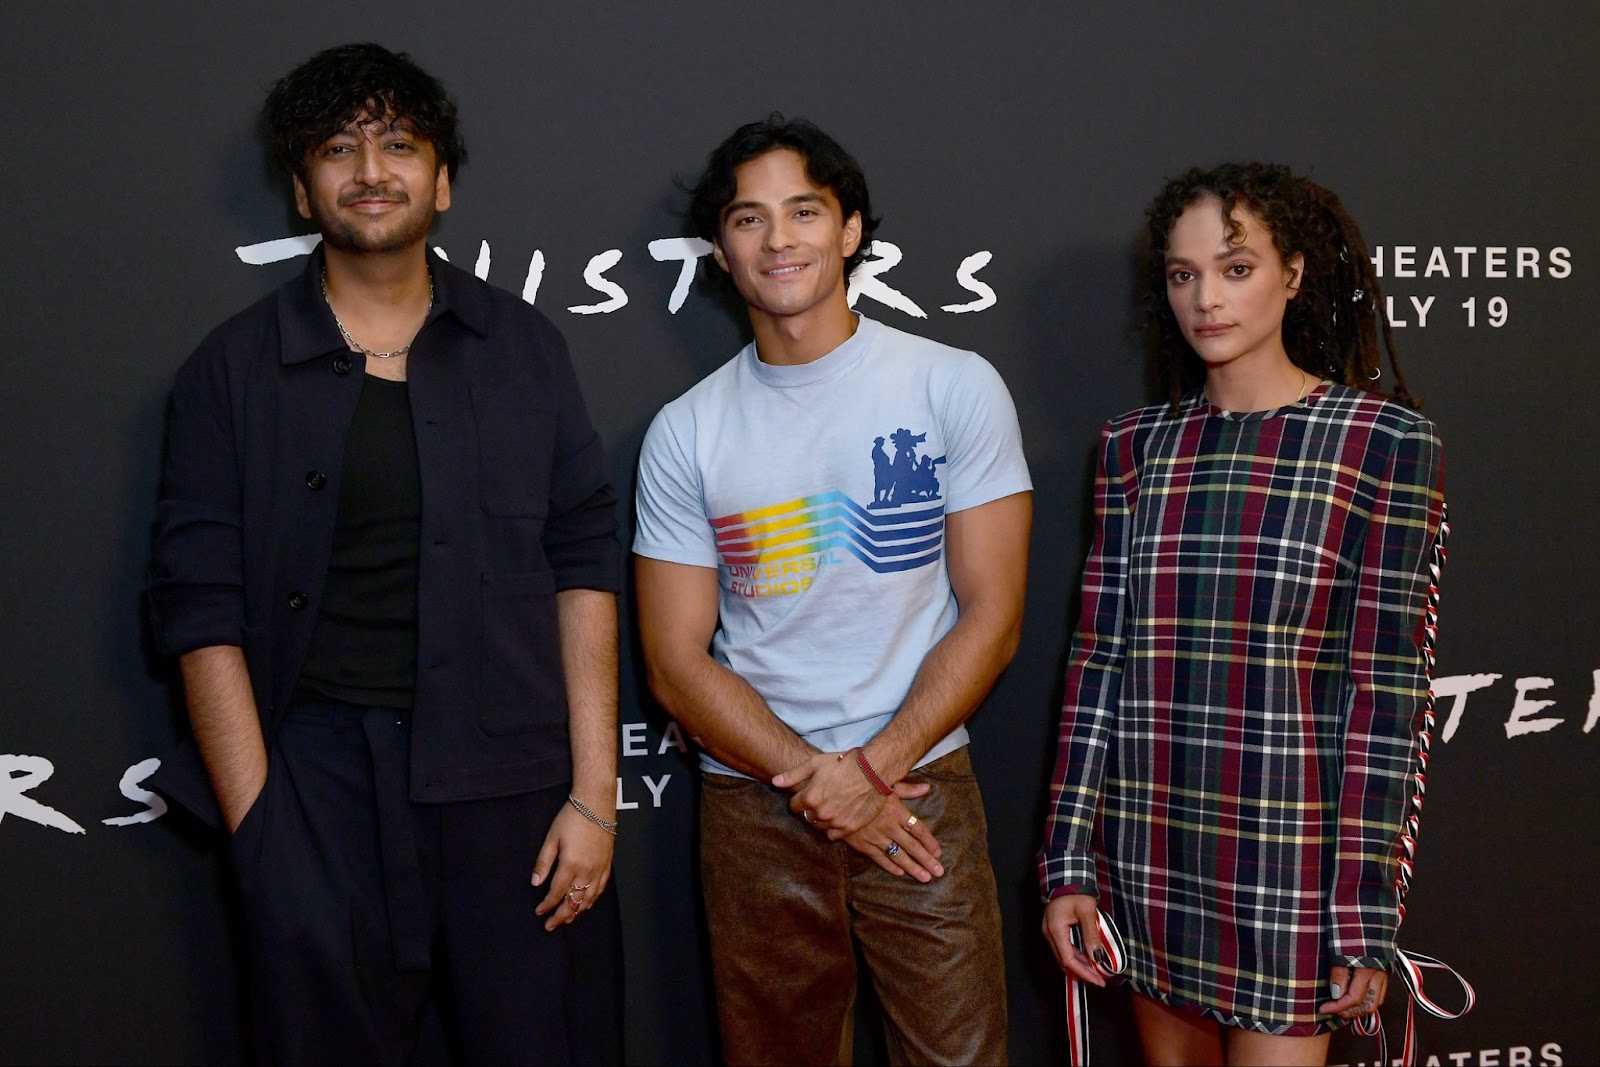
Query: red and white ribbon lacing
{"points": [[1078, 997], [1410, 965]]}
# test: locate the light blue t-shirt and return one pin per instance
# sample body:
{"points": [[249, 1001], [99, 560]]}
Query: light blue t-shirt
{"points": [[819, 493]]}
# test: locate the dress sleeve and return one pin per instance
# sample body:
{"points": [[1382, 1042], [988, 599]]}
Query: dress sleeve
{"points": [[1389, 672], [195, 584], [1093, 684]]}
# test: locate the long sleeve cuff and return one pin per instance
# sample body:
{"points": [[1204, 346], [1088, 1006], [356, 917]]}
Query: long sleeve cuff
{"points": [[1376, 963], [1067, 872]]}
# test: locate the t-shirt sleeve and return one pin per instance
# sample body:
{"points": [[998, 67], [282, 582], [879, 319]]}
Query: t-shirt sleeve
{"points": [[672, 521], [983, 441]]}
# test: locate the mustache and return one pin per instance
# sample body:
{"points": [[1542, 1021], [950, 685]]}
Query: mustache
{"points": [[386, 195]]}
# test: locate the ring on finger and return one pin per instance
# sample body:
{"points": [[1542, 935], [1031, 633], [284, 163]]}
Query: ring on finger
{"points": [[806, 815], [911, 822], [892, 849]]}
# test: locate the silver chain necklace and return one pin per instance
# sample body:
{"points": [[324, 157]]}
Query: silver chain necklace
{"points": [[357, 345]]}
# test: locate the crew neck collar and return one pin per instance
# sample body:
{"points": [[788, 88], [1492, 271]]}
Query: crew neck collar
{"points": [[1307, 401], [789, 376]]}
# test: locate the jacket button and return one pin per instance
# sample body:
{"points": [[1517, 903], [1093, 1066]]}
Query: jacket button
{"points": [[298, 600], [341, 364], [316, 479]]}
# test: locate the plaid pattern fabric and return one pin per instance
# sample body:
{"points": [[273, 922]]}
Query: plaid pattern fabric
{"points": [[1243, 696]]}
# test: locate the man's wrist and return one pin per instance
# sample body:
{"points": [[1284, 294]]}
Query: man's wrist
{"points": [[609, 825], [600, 799], [886, 763], [868, 771]]}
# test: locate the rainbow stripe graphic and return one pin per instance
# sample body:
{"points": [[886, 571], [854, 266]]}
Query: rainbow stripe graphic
{"points": [[901, 540]]}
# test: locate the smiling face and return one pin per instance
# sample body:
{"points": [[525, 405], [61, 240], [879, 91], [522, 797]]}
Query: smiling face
{"points": [[373, 188], [784, 241], [1228, 296]]}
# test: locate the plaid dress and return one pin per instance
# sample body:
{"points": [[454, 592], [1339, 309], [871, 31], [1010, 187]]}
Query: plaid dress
{"points": [[1243, 695]]}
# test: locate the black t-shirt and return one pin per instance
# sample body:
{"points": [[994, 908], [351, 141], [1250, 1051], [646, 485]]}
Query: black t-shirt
{"points": [[364, 645]]}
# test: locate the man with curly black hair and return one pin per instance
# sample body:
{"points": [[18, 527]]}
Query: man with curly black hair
{"points": [[386, 558]]}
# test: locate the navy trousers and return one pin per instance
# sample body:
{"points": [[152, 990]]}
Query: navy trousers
{"points": [[359, 905]]}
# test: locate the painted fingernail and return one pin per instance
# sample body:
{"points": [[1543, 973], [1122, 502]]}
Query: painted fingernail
{"points": [[1338, 990]]}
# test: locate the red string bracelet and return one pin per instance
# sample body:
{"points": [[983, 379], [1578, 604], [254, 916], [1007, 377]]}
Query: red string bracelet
{"points": [[872, 775]]}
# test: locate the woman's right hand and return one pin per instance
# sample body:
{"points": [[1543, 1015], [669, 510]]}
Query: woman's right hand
{"points": [[1060, 916]]}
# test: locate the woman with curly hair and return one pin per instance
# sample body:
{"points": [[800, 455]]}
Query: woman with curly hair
{"points": [[1248, 673]]}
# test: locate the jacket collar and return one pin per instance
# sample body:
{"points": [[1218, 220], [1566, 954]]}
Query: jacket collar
{"points": [[305, 322]]}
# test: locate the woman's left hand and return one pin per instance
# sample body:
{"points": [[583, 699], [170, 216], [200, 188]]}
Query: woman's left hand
{"points": [[1357, 993], [581, 853]]}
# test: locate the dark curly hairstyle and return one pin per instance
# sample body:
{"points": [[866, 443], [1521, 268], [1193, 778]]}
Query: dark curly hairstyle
{"points": [[330, 90], [827, 165], [1331, 328]]}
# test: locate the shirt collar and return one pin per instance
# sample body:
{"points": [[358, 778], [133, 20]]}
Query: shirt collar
{"points": [[845, 356], [305, 322]]}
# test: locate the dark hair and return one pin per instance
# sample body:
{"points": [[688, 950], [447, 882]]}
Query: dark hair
{"points": [[827, 165], [1331, 327], [330, 90]]}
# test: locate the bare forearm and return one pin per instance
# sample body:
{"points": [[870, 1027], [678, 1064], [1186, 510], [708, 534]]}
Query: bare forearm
{"points": [[588, 625], [987, 556], [222, 713], [724, 715], [721, 711], [955, 676]]}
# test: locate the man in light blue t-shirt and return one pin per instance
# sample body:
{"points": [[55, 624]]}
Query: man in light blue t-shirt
{"points": [[840, 514]]}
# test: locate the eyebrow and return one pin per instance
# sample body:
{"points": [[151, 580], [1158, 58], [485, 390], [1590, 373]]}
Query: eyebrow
{"points": [[798, 198], [1233, 250]]}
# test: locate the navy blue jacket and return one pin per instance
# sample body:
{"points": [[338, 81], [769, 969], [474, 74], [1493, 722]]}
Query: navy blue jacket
{"points": [[516, 505]]}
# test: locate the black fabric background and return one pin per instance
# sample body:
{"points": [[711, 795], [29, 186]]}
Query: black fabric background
{"points": [[1035, 132]]}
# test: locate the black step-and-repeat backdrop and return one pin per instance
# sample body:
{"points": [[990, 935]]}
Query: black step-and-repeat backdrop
{"points": [[1011, 149]]}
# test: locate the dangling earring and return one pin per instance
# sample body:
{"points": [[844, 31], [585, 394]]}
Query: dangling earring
{"points": [[1377, 372]]}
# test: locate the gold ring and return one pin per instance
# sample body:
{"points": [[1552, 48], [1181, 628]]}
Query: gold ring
{"points": [[911, 822]]}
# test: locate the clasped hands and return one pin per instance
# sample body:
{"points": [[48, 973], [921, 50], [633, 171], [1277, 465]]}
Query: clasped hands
{"points": [[832, 793]]}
